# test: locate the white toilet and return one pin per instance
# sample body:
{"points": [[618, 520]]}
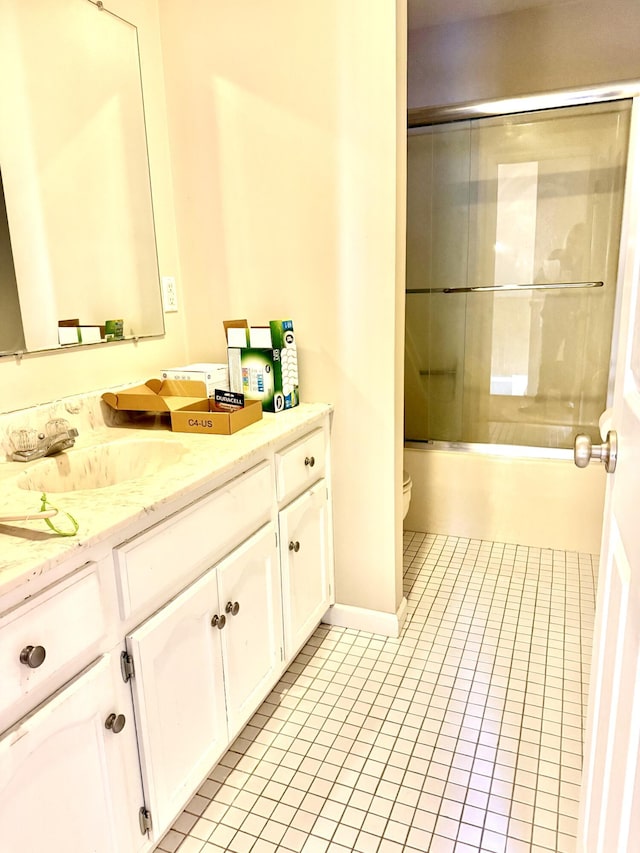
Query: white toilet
{"points": [[406, 493]]}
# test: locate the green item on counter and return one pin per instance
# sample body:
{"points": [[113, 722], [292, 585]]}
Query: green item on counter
{"points": [[74, 524], [114, 330]]}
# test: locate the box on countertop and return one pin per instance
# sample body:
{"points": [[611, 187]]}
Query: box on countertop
{"points": [[269, 372], [186, 403], [213, 375], [68, 334]]}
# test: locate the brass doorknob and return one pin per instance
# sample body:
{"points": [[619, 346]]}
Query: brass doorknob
{"points": [[233, 607], [584, 451], [115, 723], [219, 621], [310, 461], [294, 546], [33, 656]]}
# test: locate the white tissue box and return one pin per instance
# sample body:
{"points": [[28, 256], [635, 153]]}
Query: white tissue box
{"points": [[213, 375]]}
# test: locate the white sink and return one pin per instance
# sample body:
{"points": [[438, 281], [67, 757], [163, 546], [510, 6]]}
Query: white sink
{"points": [[101, 466]]}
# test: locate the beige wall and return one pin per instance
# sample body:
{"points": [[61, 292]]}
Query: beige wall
{"points": [[283, 122], [557, 46], [46, 376]]}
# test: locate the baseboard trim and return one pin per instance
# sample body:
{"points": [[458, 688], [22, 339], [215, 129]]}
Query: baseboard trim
{"points": [[373, 621], [401, 615]]}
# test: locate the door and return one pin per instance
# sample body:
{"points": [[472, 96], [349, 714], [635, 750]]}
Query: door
{"points": [[68, 783], [517, 209], [249, 595], [610, 803], [178, 693], [305, 566]]}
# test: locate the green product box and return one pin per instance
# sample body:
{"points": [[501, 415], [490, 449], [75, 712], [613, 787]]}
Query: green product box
{"points": [[268, 374]]}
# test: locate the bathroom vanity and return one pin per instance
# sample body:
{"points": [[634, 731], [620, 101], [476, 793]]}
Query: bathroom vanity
{"points": [[133, 654]]}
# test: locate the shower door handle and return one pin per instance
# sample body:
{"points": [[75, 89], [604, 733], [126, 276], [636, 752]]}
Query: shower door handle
{"points": [[607, 452]]}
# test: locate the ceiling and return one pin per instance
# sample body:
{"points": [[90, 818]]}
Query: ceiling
{"points": [[429, 13]]}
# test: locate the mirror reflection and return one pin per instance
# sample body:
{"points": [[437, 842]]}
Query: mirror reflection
{"points": [[75, 172], [11, 331]]}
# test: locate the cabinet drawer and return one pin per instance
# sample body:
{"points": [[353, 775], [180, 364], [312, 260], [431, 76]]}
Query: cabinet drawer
{"points": [[48, 640], [166, 557], [300, 464]]}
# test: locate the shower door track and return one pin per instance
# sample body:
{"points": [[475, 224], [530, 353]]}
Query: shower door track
{"points": [[426, 116], [489, 288], [511, 451]]}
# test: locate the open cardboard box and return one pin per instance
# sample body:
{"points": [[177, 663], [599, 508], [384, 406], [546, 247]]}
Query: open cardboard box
{"points": [[187, 404]]}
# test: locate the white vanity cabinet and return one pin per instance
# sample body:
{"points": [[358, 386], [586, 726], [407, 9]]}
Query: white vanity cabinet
{"points": [[127, 673], [201, 666], [306, 558], [69, 774]]}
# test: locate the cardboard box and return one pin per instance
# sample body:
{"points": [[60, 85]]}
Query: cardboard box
{"points": [[114, 330], [68, 334], [90, 334], [215, 376], [186, 403], [268, 374], [211, 419]]}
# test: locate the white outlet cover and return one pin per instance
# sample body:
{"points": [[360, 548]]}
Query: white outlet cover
{"points": [[169, 294]]}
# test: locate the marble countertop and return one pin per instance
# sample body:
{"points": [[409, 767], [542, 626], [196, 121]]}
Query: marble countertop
{"points": [[28, 549]]}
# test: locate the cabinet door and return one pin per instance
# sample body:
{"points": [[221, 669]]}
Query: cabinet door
{"points": [[178, 694], [67, 783], [305, 566], [249, 584]]}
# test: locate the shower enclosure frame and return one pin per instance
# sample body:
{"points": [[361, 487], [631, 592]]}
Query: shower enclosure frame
{"points": [[431, 116]]}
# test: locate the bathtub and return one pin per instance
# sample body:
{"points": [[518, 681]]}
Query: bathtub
{"points": [[522, 495]]}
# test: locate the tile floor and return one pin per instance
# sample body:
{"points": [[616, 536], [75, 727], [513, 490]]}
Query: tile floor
{"points": [[465, 734]]}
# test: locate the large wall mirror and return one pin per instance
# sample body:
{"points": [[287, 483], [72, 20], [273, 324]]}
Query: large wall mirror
{"points": [[76, 202]]}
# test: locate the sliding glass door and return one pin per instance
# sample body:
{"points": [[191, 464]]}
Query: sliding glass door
{"points": [[513, 229]]}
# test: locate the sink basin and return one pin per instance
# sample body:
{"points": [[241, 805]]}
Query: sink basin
{"points": [[101, 466]]}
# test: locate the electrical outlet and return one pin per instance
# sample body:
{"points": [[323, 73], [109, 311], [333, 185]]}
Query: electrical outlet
{"points": [[169, 294]]}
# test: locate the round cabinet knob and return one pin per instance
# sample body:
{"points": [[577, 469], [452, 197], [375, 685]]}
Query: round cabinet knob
{"points": [[219, 621], [607, 452], [294, 546], [310, 461], [233, 607], [33, 656], [115, 723]]}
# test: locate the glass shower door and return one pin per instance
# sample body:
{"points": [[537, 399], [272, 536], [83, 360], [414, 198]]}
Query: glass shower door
{"points": [[438, 213], [511, 298]]}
